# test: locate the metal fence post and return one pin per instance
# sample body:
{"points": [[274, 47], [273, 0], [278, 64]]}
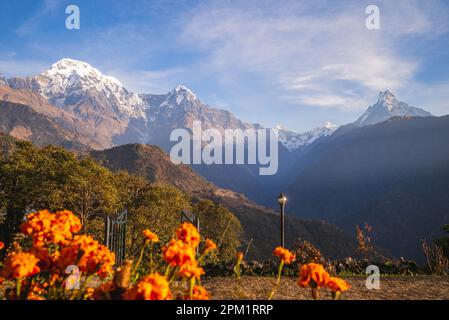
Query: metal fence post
{"points": [[115, 234]]}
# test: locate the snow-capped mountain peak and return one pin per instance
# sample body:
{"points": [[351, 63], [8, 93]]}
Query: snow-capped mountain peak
{"points": [[180, 96], [387, 100], [182, 92], [280, 127], [181, 89], [386, 107], [330, 125], [69, 80], [386, 95], [66, 68]]}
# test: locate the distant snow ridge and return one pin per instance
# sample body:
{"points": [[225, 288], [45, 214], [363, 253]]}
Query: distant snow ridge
{"points": [[293, 140], [386, 107]]}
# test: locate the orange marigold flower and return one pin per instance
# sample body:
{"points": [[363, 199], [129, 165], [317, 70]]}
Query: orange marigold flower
{"points": [[89, 294], [313, 275], [46, 257], [285, 255], [34, 296], [239, 256], [2, 245], [89, 255], [20, 265], [198, 293], [337, 284], [68, 221], [210, 245], [150, 235], [45, 227], [191, 271], [178, 253], [152, 287], [36, 291], [188, 233]]}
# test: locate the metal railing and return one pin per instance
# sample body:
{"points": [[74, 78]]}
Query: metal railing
{"points": [[115, 234]]}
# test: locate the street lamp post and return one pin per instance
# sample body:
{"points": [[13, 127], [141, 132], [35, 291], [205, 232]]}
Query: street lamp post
{"points": [[282, 199]]}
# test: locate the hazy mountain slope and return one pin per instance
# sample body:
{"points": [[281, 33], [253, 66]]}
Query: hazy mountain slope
{"points": [[22, 122], [260, 223], [393, 175], [154, 164], [39, 104]]}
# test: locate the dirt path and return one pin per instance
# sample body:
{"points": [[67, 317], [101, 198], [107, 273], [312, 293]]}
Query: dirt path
{"points": [[391, 288]]}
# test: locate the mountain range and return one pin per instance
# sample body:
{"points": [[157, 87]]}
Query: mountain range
{"points": [[112, 115], [344, 174]]}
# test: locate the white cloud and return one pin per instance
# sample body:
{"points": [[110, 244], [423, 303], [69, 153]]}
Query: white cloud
{"points": [[411, 17], [315, 53], [342, 102]]}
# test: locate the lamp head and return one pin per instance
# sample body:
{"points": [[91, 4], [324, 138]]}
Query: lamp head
{"points": [[282, 199]]}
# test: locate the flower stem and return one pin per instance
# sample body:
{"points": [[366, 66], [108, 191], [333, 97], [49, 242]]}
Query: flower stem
{"points": [[140, 258], [278, 281], [18, 287], [151, 260], [191, 283]]}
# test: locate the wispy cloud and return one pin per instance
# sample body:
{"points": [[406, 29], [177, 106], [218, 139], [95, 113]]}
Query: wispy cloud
{"points": [[343, 102], [316, 53], [13, 68], [148, 81], [424, 95], [30, 24]]}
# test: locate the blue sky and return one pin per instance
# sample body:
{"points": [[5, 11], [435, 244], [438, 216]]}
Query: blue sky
{"points": [[294, 63]]}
